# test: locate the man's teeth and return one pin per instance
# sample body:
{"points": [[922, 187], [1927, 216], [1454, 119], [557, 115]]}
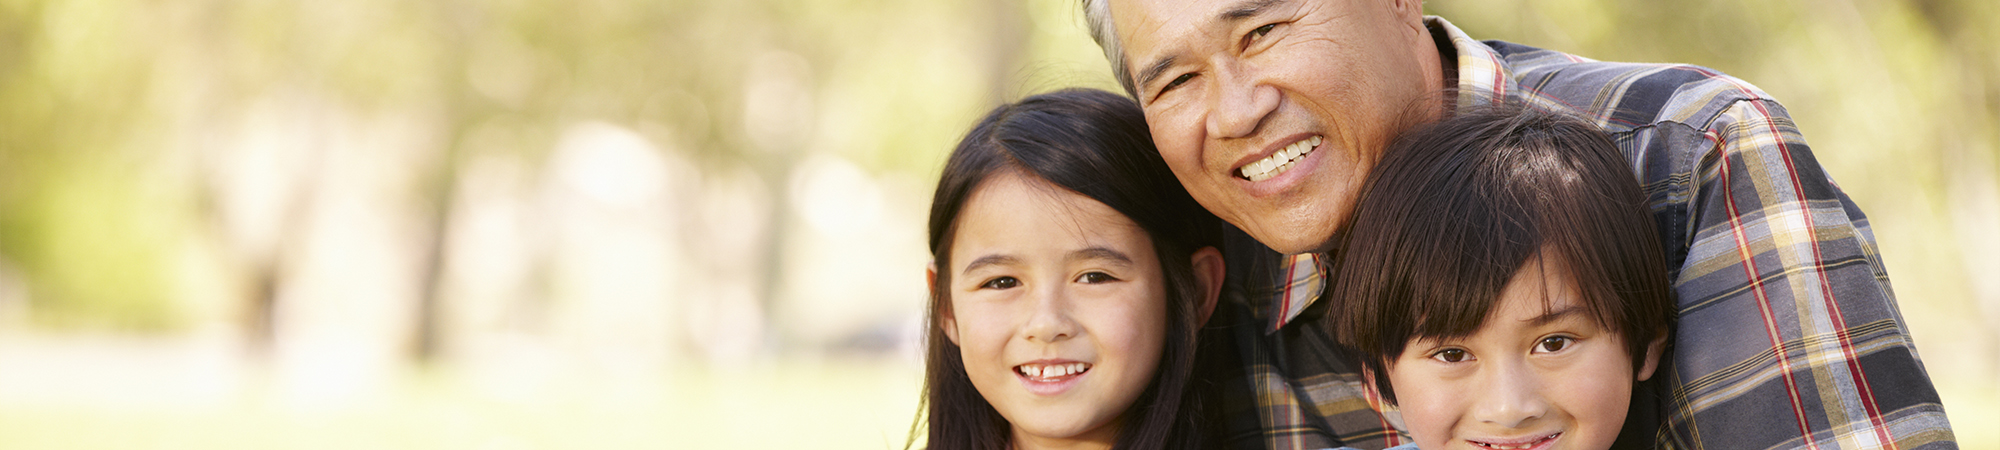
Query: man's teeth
{"points": [[1278, 163], [1052, 370]]}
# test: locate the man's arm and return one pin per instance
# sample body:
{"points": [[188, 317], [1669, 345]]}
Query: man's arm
{"points": [[1789, 335]]}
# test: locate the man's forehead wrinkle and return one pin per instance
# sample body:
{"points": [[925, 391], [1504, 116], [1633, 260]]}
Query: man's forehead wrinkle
{"points": [[1150, 33], [1199, 25], [1246, 10]]}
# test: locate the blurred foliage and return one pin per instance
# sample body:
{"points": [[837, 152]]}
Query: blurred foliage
{"points": [[126, 126]]}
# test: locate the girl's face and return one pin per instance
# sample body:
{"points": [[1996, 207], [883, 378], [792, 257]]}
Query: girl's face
{"points": [[1539, 374], [1058, 306]]}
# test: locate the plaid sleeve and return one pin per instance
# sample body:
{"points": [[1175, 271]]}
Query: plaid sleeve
{"points": [[1789, 335]]}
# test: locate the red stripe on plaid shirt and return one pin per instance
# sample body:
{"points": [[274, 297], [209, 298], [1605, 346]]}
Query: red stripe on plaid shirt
{"points": [[1826, 290], [1390, 438], [1763, 303], [1285, 302]]}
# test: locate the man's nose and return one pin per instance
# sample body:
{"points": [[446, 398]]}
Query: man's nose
{"points": [[1511, 395], [1050, 322], [1242, 102]]}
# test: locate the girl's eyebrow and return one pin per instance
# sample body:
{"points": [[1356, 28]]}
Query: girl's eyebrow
{"points": [[1104, 253], [990, 260]]}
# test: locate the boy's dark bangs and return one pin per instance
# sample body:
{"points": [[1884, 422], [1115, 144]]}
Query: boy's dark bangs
{"points": [[1455, 211]]}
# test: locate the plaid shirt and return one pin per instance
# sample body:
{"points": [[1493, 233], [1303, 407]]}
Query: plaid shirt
{"points": [[1789, 335]]}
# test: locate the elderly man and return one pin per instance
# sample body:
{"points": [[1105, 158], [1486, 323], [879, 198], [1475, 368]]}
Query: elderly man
{"points": [[1272, 111]]}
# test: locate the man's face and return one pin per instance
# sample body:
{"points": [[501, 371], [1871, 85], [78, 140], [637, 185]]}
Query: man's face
{"points": [[1271, 112]]}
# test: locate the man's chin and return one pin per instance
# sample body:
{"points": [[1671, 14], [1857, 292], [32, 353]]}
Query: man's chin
{"points": [[1295, 243]]}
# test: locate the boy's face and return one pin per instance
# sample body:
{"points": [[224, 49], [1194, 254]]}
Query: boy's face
{"points": [[1540, 374], [1058, 305]]}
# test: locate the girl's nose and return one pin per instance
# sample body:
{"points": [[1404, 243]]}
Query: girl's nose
{"points": [[1511, 397], [1050, 321]]}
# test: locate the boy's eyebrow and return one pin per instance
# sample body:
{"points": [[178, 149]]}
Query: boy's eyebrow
{"points": [[1229, 16], [990, 260], [1555, 315], [1100, 253]]}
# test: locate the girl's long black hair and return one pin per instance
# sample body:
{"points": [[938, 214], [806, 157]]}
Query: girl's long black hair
{"points": [[1094, 143]]}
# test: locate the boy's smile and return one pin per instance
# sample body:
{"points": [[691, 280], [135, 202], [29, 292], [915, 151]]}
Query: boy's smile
{"points": [[1540, 373]]}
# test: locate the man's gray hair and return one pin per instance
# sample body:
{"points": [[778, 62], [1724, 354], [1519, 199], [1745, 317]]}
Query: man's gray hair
{"points": [[1097, 14]]}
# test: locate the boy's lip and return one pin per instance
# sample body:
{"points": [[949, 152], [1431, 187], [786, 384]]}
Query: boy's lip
{"points": [[1532, 442]]}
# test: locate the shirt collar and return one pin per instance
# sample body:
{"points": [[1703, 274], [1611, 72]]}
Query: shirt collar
{"points": [[1482, 75]]}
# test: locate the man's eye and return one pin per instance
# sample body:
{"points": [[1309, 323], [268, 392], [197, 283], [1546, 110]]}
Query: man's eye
{"points": [[1451, 355], [1259, 32], [1001, 283], [1095, 278], [1176, 82], [1553, 344]]}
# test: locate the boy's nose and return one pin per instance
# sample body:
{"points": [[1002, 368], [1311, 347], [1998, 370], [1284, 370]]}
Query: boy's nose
{"points": [[1511, 396]]}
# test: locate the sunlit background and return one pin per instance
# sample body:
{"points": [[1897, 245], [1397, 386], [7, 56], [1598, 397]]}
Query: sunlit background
{"points": [[521, 224]]}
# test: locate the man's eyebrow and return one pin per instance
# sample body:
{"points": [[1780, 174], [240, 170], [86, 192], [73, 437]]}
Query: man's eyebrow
{"points": [[990, 260], [1246, 10], [1229, 16], [1153, 71], [1105, 253]]}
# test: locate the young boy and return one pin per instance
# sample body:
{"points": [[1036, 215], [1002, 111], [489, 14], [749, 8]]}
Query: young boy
{"points": [[1503, 284]]}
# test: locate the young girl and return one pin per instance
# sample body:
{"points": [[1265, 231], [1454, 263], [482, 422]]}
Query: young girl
{"points": [[1502, 280], [1069, 278]]}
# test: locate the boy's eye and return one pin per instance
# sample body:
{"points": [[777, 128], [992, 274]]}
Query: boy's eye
{"points": [[1001, 283], [1451, 355], [1553, 344], [1095, 278]]}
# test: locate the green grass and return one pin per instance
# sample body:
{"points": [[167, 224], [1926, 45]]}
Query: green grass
{"points": [[794, 405]]}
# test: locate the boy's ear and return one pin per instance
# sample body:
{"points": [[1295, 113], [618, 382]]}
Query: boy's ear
{"points": [[947, 321], [1208, 275], [1653, 350]]}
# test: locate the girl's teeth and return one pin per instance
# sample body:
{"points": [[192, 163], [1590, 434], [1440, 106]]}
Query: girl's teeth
{"points": [[1040, 371]]}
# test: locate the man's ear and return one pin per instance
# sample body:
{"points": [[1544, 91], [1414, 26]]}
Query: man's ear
{"points": [[1653, 351], [1208, 275], [947, 322]]}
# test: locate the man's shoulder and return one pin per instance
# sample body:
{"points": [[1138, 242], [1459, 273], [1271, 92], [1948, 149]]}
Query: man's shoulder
{"points": [[1625, 95]]}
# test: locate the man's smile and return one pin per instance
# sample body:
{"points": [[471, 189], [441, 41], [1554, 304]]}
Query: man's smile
{"points": [[1279, 162]]}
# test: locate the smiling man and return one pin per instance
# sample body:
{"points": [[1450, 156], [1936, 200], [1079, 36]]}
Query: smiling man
{"points": [[1271, 113]]}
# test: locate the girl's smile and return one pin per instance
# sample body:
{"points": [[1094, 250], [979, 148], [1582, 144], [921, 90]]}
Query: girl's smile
{"points": [[1051, 377], [1058, 306]]}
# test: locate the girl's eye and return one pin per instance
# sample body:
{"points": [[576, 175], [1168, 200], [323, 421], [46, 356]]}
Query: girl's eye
{"points": [[1095, 278], [1553, 344], [1001, 283], [1451, 355]]}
